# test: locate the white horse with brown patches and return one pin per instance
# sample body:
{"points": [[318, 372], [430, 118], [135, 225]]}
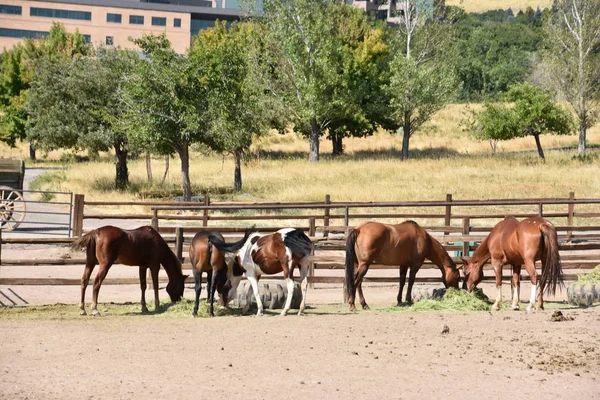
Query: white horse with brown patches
{"points": [[279, 252]]}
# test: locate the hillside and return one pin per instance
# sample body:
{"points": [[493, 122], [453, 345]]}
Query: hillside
{"points": [[484, 5]]}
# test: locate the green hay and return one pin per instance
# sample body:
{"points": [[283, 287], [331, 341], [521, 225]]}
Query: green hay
{"points": [[455, 300], [181, 309], [592, 277]]}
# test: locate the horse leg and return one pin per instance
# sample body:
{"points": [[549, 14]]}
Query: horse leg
{"points": [[411, 281], [85, 279], [363, 267], [143, 270], [288, 261], [254, 283], [516, 287], [154, 271], [102, 271], [198, 289], [530, 267], [403, 270], [212, 277], [304, 282], [497, 264]]}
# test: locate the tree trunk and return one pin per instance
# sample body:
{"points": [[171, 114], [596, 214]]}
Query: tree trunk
{"points": [[167, 162], [336, 141], [122, 177], [32, 156], [184, 155], [148, 168], [582, 112], [406, 136], [237, 176], [539, 147], [315, 134], [582, 129]]}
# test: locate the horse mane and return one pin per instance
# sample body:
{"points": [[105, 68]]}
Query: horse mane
{"points": [[437, 250], [169, 258]]}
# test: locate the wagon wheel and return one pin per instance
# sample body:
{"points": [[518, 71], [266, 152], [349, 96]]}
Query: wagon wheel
{"points": [[12, 208]]}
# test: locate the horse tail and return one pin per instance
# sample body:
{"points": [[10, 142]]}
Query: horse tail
{"points": [[552, 274], [350, 258], [298, 243], [88, 242], [231, 247]]}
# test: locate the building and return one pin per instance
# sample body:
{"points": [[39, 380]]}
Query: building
{"points": [[391, 11], [112, 22]]}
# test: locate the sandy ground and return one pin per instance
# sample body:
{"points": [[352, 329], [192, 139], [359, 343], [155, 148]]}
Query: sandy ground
{"points": [[368, 354]]}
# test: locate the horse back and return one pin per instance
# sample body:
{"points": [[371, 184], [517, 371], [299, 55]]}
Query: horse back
{"points": [[129, 247], [201, 254], [400, 244]]}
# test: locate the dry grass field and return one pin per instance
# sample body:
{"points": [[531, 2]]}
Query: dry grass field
{"points": [[444, 159], [484, 5]]}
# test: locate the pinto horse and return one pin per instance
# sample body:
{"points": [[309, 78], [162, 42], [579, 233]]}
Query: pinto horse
{"points": [[143, 247], [518, 243], [281, 251], [206, 258], [406, 244]]}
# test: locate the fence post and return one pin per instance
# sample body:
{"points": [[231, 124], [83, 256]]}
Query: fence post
{"points": [[77, 220], [326, 216], [179, 243], [0, 246], [205, 213], [346, 217], [571, 214], [312, 226], [448, 213], [541, 210], [465, 231], [154, 222]]}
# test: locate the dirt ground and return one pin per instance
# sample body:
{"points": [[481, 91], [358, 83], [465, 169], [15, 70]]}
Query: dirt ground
{"points": [[329, 353]]}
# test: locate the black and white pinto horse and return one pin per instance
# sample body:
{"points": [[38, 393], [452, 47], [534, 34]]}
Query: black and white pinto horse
{"points": [[281, 251]]}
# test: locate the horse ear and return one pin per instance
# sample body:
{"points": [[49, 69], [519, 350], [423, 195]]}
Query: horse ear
{"points": [[460, 266], [185, 277], [465, 260]]}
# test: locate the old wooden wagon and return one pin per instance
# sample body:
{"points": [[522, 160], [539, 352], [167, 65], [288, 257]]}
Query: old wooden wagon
{"points": [[12, 203]]}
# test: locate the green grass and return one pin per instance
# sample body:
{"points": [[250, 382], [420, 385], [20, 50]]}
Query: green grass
{"points": [[453, 300], [182, 309], [591, 277]]}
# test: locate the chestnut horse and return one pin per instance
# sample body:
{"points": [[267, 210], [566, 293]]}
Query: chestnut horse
{"points": [[406, 244], [142, 246], [206, 258], [281, 251], [518, 243]]}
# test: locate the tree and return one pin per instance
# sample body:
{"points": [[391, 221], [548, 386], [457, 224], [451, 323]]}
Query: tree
{"points": [[305, 52], [421, 81], [239, 106], [18, 73], [75, 103], [533, 113], [167, 103], [573, 58]]}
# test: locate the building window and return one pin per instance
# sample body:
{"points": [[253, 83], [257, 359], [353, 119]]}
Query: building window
{"points": [[109, 40], [198, 25], [116, 18], [232, 4], [87, 38], [13, 10], [177, 22], [159, 21], [66, 14], [136, 19], [22, 33]]}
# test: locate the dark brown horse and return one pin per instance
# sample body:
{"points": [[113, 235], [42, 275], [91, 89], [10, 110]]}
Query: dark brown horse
{"points": [[518, 243], [279, 252], [143, 247], [206, 258], [406, 244]]}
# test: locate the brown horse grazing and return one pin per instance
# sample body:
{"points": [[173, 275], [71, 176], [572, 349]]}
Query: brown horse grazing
{"points": [[142, 246], [406, 244], [279, 252], [518, 243], [206, 258]]}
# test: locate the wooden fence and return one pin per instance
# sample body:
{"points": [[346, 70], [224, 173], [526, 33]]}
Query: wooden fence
{"points": [[579, 231]]}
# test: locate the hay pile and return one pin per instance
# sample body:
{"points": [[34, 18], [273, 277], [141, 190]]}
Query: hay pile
{"points": [[591, 277], [455, 300]]}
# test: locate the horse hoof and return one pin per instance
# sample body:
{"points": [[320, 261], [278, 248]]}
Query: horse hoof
{"points": [[352, 307], [82, 312], [259, 313], [516, 308], [301, 313], [195, 315], [283, 313], [495, 307], [96, 313], [365, 307]]}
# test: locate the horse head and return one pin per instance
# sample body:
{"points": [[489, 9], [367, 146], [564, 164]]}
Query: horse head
{"points": [[473, 274], [451, 275], [229, 285], [175, 288]]}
